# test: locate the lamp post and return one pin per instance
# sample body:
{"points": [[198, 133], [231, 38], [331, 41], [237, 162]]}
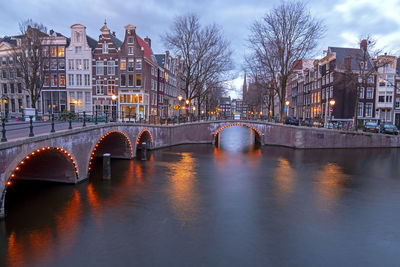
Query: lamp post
{"points": [[179, 112], [287, 107], [194, 110], [187, 101], [332, 103], [113, 98]]}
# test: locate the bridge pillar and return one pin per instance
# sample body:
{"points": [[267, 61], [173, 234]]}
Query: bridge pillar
{"points": [[107, 166]]}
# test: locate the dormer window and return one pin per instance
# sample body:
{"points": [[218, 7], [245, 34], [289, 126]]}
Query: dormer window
{"points": [[105, 48], [130, 40]]}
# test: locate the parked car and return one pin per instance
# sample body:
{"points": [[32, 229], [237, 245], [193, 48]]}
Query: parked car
{"points": [[371, 127], [306, 122], [291, 120], [389, 129]]}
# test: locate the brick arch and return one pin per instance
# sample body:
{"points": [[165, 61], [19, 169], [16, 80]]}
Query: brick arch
{"points": [[142, 132], [27, 162], [101, 141]]}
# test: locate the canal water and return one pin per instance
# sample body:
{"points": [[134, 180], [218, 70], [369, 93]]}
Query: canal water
{"points": [[197, 205]]}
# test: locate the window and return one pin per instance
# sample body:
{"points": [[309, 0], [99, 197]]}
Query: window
{"points": [[4, 74], [99, 87], [99, 68], [12, 105], [47, 80], [111, 87], [87, 80], [138, 79], [78, 49], [19, 73], [368, 110], [20, 105], [70, 64], [123, 64], [130, 50], [62, 80], [381, 99], [3, 61], [12, 88], [361, 92], [4, 88], [61, 64], [123, 80], [130, 40], [389, 99], [138, 64], [371, 79], [130, 65], [19, 87], [104, 48], [54, 80], [397, 105], [360, 109], [12, 75], [77, 36], [70, 80], [86, 64], [111, 67], [88, 99], [61, 51], [382, 83], [78, 64], [370, 93], [53, 64], [130, 80], [10, 60], [79, 79], [53, 50], [331, 90]]}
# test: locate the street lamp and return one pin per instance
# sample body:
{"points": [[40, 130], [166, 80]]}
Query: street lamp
{"points": [[332, 103], [287, 107], [180, 97], [113, 98]]}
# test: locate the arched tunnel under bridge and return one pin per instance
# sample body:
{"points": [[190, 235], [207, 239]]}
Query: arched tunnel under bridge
{"points": [[254, 133]]}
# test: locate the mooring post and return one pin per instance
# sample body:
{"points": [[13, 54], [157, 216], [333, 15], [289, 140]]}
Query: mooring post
{"points": [[106, 166], [144, 151]]}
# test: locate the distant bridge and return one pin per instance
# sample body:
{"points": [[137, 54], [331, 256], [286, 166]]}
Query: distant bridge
{"points": [[66, 156]]}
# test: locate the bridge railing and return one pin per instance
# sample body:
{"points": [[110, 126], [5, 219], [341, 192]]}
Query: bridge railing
{"points": [[52, 122]]}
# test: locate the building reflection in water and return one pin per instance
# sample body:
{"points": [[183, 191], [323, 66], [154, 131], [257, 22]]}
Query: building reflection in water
{"points": [[329, 185], [182, 187], [36, 245], [284, 180]]}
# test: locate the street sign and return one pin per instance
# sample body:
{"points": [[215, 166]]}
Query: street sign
{"points": [[177, 106], [330, 110]]}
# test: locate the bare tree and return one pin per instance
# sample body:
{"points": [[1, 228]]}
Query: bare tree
{"points": [[205, 54], [31, 58], [287, 33]]}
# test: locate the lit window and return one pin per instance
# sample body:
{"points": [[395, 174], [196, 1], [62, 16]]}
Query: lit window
{"points": [[62, 80], [138, 80], [123, 64], [61, 51], [111, 87], [53, 51]]}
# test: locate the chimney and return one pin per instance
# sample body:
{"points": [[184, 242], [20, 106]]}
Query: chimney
{"points": [[113, 33], [51, 32], [363, 45], [148, 41]]}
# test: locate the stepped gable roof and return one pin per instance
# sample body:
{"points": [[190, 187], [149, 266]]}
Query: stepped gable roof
{"points": [[356, 55], [148, 53], [160, 60]]}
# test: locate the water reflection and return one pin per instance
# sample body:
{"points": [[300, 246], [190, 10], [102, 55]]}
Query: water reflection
{"points": [[182, 187], [330, 184], [284, 179]]}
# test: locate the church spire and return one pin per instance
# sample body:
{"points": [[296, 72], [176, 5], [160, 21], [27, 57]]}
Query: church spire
{"points": [[244, 87]]}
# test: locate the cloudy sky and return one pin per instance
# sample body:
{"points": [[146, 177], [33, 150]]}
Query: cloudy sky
{"points": [[346, 20]]}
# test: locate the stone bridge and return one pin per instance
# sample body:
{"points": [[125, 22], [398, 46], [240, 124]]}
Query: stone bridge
{"points": [[66, 156]]}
